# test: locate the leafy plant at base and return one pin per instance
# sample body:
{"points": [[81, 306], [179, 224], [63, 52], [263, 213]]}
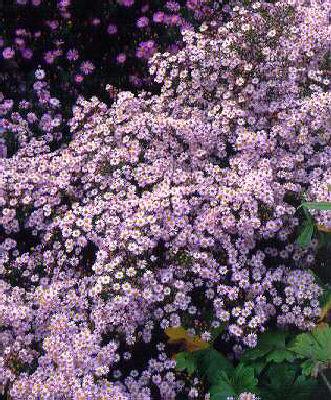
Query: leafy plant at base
{"points": [[282, 381], [282, 366], [224, 379], [279, 370], [208, 363], [211, 363], [315, 348], [242, 379], [271, 348], [186, 361]]}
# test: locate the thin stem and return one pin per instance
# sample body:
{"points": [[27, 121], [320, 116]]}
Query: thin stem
{"points": [[327, 383]]}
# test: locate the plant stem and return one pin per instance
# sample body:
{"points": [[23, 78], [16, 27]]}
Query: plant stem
{"points": [[327, 383]]}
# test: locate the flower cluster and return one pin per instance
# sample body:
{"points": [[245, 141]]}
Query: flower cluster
{"points": [[38, 117], [83, 45], [177, 208], [74, 48]]}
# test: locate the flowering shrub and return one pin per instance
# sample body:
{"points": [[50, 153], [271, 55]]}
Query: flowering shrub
{"points": [[85, 45], [167, 210]]}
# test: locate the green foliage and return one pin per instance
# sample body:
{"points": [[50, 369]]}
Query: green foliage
{"points": [[242, 379], [186, 361], [315, 347], [222, 390], [306, 233], [208, 362], [322, 205], [271, 348], [281, 381], [281, 367], [280, 372], [211, 363], [223, 378]]}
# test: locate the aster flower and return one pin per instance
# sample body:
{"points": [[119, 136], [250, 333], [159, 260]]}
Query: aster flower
{"points": [[8, 53]]}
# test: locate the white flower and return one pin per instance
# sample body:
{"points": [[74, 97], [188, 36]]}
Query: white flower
{"points": [[39, 74]]}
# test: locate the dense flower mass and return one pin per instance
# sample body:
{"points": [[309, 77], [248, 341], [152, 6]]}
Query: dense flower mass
{"points": [[165, 210]]}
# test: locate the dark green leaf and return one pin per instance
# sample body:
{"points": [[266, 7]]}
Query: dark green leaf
{"points": [[256, 353], [211, 363], [314, 345], [186, 361], [306, 234], [308, 367], [281, 375], [222, 390], [243, 379], [318, 205], [288, 388], [257, 365], [280, 355], [274, 338], [267, 342]]}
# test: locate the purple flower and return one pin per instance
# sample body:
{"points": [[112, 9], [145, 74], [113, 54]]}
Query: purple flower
{"points": [[142, 22], [121, 58], [112, 29], [72, 55], [87, 67], [146, 49], [27, 53], [8, 53], [158, 16]]}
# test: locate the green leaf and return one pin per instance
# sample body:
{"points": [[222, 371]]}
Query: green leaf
{"points": [[267, 342], [243, 379], [282, 382], [280, 355], [300, 388], [186, 361], [281, 374], [318, 205], [256, 353], [308, 367], [222, 389], [274, 338], [315, 347], [257, 365], [211, 364], [306, 234]]}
